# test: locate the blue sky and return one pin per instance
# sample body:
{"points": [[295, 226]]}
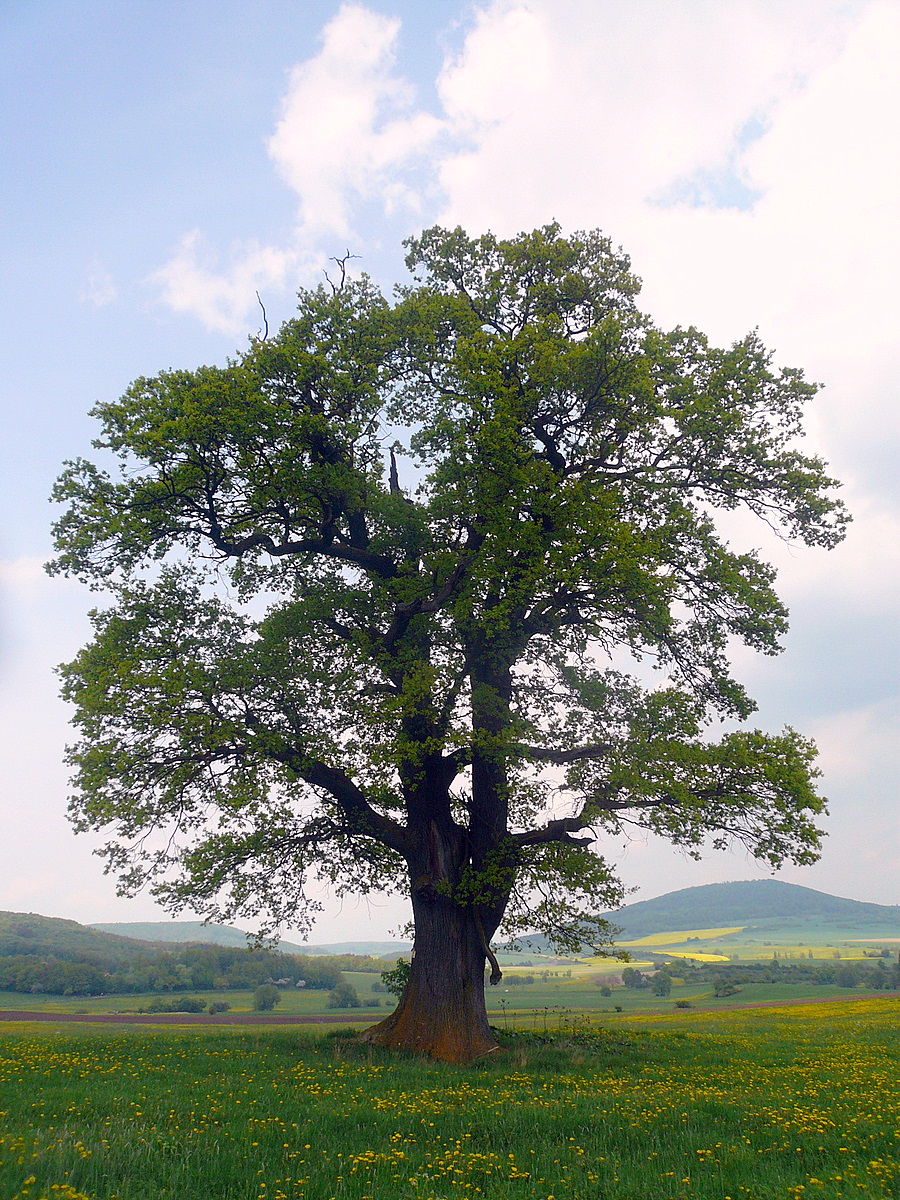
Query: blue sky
{"points": [[164, 161]]}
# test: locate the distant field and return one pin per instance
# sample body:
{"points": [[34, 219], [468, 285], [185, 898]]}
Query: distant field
{"points": [[531, 1006], [676, 937], [776, 1104], [815, 940], [293, 1000], [534, 1008], [556, 983], [813, 931], [698, 955]]}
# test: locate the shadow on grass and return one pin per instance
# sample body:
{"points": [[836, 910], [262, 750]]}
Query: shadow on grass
{"points": [[553, 1053]]}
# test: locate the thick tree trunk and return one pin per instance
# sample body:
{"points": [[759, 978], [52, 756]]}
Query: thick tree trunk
{"points": [[441, 1013]]}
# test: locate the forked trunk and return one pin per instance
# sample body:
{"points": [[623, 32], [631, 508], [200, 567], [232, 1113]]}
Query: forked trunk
{"points": [[442, 1012]]}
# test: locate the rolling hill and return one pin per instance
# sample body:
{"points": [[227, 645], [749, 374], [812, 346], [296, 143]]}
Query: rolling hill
{"points": [[187, 931], [30, 934], [763, 904], [768, 910], [54, 956], [228, 935]]}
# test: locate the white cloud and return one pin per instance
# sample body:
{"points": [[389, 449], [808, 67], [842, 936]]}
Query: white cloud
{"points": [[595, 113], [223, 300], [817, 253], [348, 134], [347, 131], [585, 110], [774, 123], [100, 288], [860, 577]]}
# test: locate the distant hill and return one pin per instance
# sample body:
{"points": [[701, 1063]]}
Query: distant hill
{"points": [[186, 931], [30, 933], [228, 935], [765, 908], [375, 949], [53, 956], [762, 903]]}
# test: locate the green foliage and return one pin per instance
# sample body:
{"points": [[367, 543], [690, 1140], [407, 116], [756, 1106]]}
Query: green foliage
{"points": [[397, 977], [661, 985], [63, 958], [724, 987], [867, 973], [31, 973], [266, 997], [181, 1004], [433, 665], [632, 978], [364, 963], [344, 996]]}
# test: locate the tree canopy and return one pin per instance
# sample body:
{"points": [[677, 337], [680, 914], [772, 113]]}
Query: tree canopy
{"points": [[380, 585]]}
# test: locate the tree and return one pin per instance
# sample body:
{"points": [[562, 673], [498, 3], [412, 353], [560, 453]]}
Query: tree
{"points": [[633, 979], [395, 978], [724, 987], [344, 995], [266, 997], [662, 984], [312, 665]]}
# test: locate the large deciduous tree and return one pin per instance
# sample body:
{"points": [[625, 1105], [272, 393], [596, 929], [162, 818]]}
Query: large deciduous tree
{"points": [[377, 585]]}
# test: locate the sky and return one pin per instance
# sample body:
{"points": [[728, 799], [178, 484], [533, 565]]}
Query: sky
{"points": [[165, 160]]}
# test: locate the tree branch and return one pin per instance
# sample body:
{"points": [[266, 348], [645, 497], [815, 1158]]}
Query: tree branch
{"points": [[324, 545], [362, 817], [404, 613], [559, 830], [545, 754]]}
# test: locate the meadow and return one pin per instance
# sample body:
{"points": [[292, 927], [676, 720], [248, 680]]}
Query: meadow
{"points": [[731, 1105], [554, 999]]}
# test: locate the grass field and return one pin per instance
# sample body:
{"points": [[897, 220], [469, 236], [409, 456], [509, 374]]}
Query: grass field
{"points": [[559, 994], [751, 1105]]}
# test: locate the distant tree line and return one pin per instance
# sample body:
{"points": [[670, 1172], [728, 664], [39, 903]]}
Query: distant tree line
{"points": [[877, 974], [182, 968]]}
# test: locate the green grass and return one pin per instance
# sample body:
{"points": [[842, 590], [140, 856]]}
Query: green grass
{"points": [[556, 995], [531, 1008], [796, 1102], [294, 1001]]}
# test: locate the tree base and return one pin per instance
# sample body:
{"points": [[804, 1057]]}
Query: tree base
{"points": [[441, 1013], [433, 1035]]}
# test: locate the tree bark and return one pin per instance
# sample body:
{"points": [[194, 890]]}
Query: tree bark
{"points": [[442, 1012]]}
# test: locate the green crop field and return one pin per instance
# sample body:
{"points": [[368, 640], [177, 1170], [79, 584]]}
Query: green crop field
{"points": [[747, 1105]]}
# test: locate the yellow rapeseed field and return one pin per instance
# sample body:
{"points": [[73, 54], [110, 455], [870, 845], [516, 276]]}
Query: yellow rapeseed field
{"points": [[677, 936]]}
